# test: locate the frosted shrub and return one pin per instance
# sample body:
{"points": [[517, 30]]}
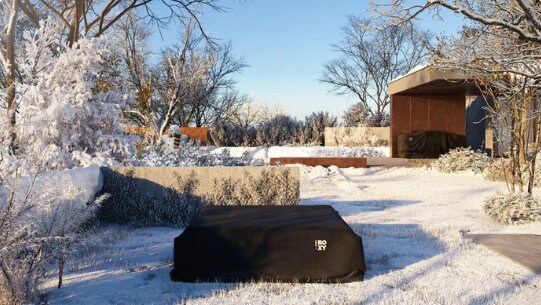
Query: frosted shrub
{"points": [[358, 152], [194, 154], [499, 169], [39, 223], [513, 208], [271, 188], [127, 204], [461, 159], [279, 131], [227, 134], [314, 127]]}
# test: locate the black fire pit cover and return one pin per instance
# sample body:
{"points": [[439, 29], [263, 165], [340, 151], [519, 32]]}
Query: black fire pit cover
{"points": [[268, 243]]}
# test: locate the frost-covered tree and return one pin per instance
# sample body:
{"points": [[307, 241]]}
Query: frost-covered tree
{"points": [[78, 19], [358, 116], [62, 120]]}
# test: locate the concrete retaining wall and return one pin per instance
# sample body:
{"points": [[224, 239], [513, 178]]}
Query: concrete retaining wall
{"points": [[357, 136], [155, 179]]}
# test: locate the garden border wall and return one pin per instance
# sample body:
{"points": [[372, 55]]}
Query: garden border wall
{"points": [[152, 180]]}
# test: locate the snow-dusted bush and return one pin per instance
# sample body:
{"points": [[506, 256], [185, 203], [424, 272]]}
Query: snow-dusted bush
{"points": [[279, 131], [62, 119], [271, 188], [38, 224], [355, 136], [228, 134], [359, 152], [313, 130], [461, 159], [194, 154], [499, 169], [127, 204], [513, 208], [357, 115]]}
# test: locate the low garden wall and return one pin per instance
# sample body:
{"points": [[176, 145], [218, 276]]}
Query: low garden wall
{"points": [[153, 179], [171, 196], [357, 136]]}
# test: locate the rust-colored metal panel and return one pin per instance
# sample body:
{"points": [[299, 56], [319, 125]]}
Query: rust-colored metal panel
{"points": [[339, 162], [448, 113], [400, 119], [196, 133], [419, 113], [438, 114], [456, 109], [426, 112]]}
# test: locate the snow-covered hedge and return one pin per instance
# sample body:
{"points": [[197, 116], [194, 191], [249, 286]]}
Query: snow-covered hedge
{"points": [[461, 159], [513, 208]]}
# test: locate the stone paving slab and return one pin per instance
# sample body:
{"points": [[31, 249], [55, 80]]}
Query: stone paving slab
{"points": [[385, 161], [523, 249]]}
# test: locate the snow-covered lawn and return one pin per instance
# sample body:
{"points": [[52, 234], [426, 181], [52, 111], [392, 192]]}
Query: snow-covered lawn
{"points": [[412, 223]]}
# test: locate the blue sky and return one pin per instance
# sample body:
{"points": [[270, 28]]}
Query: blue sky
{"points": [[286, 43]]}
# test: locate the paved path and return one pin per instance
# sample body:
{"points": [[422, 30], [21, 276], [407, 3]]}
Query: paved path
{"points": [[384, 161], [524, 249]]}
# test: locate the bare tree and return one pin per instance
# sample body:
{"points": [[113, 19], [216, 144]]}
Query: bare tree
{"points": [[248, 115], [371, 58], [196, 84]]}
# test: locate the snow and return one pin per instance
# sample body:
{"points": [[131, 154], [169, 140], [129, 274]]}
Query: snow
{"points": [[415, 69], [412, 221], [88, 180]]}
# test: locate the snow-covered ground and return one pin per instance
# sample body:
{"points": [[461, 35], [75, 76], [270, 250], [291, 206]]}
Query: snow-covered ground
{"points": [[412, 223]]}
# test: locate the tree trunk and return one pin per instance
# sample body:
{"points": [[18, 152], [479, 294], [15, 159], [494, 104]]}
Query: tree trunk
{"points": [[61, 261], [10, 76]]}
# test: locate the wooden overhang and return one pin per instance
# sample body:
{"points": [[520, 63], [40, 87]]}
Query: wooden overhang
{"points": [[431, 81]]}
